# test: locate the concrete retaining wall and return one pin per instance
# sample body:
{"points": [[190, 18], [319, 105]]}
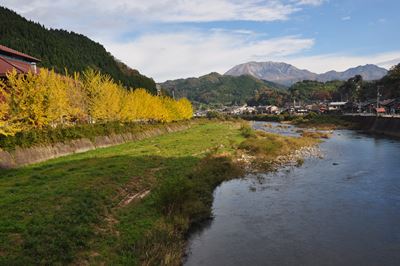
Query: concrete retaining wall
{"points": [[389, 126], [20, 157]]}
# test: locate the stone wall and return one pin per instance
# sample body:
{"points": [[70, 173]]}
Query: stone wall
{"points": [[389, 126], [20, 157]]}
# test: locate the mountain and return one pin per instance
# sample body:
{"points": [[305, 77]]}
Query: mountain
{"points": [[287, 74], [281, 73], [217, 89], [368, 72], [60, 49]]}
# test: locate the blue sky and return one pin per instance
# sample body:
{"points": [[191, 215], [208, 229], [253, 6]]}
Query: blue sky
{"points": [[168, 39]]}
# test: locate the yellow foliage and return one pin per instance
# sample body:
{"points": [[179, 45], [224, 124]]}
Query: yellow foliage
{"points": [[6, 126], [103, 96], [48, 99]]}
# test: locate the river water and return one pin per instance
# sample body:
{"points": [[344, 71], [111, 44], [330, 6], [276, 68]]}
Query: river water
{"points": [[343, 209]]}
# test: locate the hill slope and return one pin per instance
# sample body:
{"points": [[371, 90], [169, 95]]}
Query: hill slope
{"points": [[287, 74], [218, 89], [60, 49]]}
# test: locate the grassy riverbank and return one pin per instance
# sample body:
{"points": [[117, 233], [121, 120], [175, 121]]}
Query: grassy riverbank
{"points": [[130, 204]]}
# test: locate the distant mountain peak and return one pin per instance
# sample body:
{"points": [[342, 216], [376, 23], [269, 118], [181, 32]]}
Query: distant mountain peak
{"points": [[368, 72], [287, 74]]}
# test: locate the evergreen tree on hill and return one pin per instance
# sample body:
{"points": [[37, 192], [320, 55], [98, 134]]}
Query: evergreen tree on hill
{"points": [[60, 50]]}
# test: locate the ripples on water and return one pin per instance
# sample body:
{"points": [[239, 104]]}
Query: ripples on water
{"points": [[340, 210]]}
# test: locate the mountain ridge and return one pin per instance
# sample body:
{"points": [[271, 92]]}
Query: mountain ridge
{"points": [[287, 74]]}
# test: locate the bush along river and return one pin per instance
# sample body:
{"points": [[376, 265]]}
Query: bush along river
{"points": [[342, 209]]}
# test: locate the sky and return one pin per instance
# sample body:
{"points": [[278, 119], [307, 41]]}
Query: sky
{"points": [[170, 39]]}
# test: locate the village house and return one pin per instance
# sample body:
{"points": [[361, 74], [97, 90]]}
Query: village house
{"points": [[336, 106], [243, 110], [269, 109], [11, 59], [392, 106]]}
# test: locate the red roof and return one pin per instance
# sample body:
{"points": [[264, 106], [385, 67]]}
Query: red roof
{"points": [[11, 52], [7, 65]]}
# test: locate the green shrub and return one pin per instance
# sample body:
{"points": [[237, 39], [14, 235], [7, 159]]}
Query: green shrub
{"points": [[214, 115], [172, 193], [312, 115], [247, 131]]}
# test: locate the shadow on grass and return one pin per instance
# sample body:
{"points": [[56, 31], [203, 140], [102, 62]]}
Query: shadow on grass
{"points": [[50, 213]]}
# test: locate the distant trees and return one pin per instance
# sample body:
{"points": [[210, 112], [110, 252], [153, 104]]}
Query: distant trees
{"points": [[268, 97], [49, 99], [351, 90], [391, 83], [311, 90], [354, 89]]}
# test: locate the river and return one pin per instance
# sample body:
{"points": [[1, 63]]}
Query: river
{"points": [[343, 209]]}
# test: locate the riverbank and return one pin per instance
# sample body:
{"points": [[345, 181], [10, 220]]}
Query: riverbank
{"points": [[36, 146], [311, 120], [388, 126], [130, 204]]}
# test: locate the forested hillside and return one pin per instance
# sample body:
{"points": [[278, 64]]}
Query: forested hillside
{"points": [[354, 89], [218, 89], [314, 91], [60, 49]]}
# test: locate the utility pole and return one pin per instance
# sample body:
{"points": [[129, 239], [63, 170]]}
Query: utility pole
{"points": [[378, 95], [358, 98], [158, 87]]}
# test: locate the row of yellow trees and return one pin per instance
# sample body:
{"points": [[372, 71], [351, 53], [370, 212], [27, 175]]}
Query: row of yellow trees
{"points": [[49, 99]]}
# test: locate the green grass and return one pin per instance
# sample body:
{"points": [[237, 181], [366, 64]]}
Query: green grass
{"points": [[67, 210], [73, 210]]}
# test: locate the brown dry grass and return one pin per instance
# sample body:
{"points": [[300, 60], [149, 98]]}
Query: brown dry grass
{"points": [[268, 146], [316, 134]]}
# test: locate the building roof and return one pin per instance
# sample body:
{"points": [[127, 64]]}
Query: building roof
{"points": [[388, 102], [7, 65], [337, 103], [4, 50], [11, 59]]}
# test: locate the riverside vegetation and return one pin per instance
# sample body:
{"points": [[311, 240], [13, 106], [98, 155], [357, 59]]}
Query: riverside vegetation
{"points": [[311, 120], [130, 204]]}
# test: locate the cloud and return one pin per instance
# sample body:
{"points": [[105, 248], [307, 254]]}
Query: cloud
{"points": [[158, 41], [382, 20], [346, 18], [76, 13], [310, 2], [390, 63], [193, 53]]}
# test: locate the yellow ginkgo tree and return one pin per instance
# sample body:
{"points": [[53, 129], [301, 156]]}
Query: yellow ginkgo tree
{"points": [[50, 99]]}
